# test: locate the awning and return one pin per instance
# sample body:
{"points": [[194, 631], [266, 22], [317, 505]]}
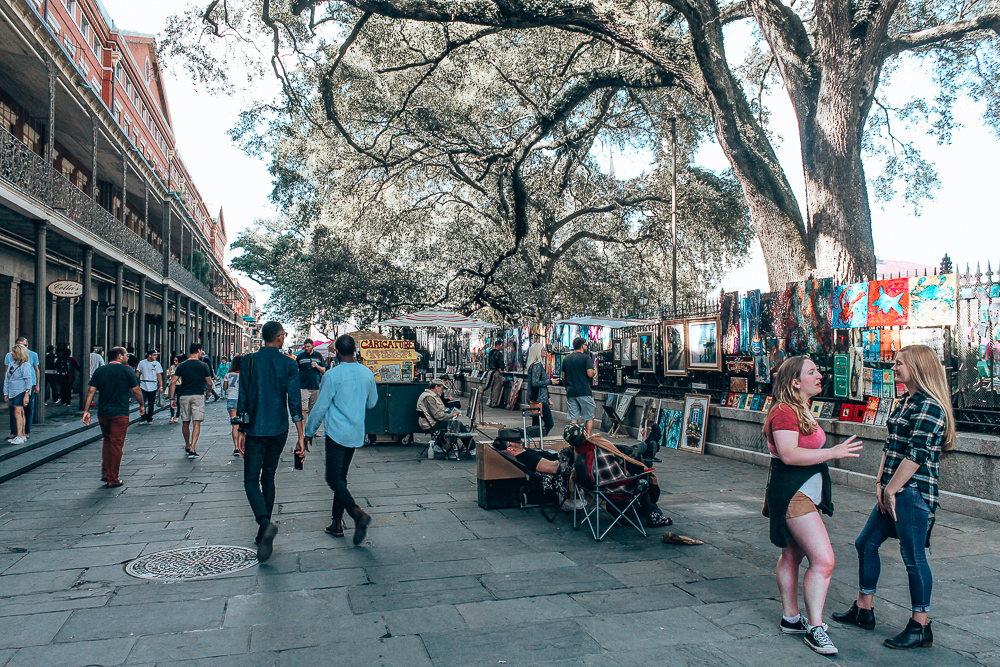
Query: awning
{"points": [[436, 318], [606, 322]]}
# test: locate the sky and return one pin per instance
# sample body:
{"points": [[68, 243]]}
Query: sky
{"points": [[961, 219]]}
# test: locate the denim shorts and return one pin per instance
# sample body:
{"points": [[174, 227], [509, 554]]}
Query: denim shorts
{"points": [[230, 404], [580, 407]]}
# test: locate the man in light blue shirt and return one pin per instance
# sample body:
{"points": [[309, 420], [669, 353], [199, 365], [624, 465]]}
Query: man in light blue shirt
{"points": [[346, 393]]}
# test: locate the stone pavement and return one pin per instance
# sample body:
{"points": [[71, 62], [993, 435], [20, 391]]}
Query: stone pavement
{"points": [[439, 581]]}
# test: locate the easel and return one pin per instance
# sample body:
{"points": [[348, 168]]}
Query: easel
{"points": [[618, 420]]}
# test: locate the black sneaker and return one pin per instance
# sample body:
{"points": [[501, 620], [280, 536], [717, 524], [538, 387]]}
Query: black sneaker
{"points": [[819, 641], [799, 627], [192, 454], [266, 545]]}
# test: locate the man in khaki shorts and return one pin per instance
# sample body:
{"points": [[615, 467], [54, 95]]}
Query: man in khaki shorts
{"points": [[190, 395], [311, 370]]}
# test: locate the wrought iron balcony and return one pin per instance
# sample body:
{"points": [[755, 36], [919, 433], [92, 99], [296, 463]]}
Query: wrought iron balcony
{"points": [[33, 176], [189, 281]]}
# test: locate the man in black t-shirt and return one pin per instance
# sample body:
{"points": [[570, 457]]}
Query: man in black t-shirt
{"points": [[494, 386], [113, 384], [311, 370], [578, 372], [188, 390]]}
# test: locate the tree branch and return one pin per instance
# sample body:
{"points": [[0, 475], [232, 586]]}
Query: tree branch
{"points": [[943, 34]]}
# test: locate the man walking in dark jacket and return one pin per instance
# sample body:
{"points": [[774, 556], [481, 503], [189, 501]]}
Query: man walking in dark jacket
{"points": [[267, 385]]}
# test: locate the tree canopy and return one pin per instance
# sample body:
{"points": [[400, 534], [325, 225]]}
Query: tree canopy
{"points": [[499, 105]]}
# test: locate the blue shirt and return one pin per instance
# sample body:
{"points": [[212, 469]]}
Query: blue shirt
{"points": [[272, 382], [346, 393], [32, 359], [18, 379]]}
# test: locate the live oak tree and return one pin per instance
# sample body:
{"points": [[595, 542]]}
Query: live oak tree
{"points": [[830, 57]]}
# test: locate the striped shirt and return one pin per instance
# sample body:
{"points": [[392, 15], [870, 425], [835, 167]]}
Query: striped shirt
{"points": [[916, 431]]}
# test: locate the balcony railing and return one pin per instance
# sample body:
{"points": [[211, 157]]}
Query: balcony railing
{"points": [[31, 174], [188, 280]]}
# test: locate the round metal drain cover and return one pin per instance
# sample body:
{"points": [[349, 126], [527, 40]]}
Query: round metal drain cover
{"points": [[192, 563]]}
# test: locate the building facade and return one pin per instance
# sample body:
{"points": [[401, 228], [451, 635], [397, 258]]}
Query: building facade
{"points": [[104, 238]]}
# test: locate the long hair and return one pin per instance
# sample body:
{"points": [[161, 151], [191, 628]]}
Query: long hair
{"points": [[234, 365], [927, 373], [535, 354], [20, 354], [785, 394]]}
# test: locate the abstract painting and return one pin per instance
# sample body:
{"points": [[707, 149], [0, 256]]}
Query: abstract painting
{"points": [[673, 347], [850, 306], [752, 315], [703, 345], [744, 325], [889, 302], [932, 301], [775, 353], [729, 307], [809, 317]]}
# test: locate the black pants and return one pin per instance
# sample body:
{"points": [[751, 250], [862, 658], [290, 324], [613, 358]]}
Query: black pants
{"points": [[150, 399], [52, 388], [66, 389], [260, 461], [547, 421], [338, 460]]}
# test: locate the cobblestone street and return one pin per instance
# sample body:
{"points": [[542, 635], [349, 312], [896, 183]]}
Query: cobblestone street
{"points": [[439, 581]]}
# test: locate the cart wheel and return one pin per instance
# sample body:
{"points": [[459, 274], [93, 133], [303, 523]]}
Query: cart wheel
{"points": [[406, 439], [372, 438]]}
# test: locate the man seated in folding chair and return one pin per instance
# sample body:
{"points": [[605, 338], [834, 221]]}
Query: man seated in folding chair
{"points": [[434, 417], [627, 487]]}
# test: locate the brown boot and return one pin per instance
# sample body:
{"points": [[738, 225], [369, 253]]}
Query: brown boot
{"points": [[336, 528], [361, 523]]}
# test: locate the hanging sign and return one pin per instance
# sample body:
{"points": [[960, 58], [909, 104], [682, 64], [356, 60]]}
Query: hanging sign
{"points": [[389, 360], [66, 289]]}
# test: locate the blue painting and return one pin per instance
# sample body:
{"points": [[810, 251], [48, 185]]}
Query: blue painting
{"points": [[932, 301], [850, 306], [670, 428]]}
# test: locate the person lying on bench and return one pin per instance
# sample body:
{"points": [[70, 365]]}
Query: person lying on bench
{"points": [[433, 415]]}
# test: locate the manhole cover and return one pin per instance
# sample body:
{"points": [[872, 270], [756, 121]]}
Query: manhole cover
{"points": [[192, 563]]}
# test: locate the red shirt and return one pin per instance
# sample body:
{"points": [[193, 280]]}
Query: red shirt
{"points": [[782, 418]]}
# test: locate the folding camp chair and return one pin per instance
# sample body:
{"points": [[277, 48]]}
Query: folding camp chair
{"points": [[620, 497]]}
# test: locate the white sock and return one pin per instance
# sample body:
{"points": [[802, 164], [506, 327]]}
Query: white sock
{"points": [[810, 627], [793, 619]]}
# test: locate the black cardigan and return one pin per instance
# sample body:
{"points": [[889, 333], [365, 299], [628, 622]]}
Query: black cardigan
{"points": [[784, 482]]}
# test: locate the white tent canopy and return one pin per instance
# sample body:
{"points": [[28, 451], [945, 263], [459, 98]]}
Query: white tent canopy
{"points": [[606, 322], [436, 318]]}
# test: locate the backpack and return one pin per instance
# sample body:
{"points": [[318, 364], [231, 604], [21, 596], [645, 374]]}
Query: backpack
{"points": [[62, 366]]}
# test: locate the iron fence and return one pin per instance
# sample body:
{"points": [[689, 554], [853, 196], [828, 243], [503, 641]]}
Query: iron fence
{"points": [[189, 281], [32, 175]]}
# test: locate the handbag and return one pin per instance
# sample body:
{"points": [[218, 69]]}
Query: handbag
{"points": [[242, 419]]}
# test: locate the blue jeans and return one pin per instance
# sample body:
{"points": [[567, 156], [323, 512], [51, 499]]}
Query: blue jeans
{"points": [[911, 524], [29, 415]]}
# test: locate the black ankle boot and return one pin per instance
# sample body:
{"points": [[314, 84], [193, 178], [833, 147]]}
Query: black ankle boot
{"points": [[912, 636], [863, 618]]}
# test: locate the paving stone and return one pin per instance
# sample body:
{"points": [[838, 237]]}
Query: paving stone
{"points": [[195, 645], [285, 608], [509, 613], [528, 563], [36, 582], [651, 629], [628, 600], [55, 601], [649, 572], [71, 559], [75, 654], [33, 630], [296, 581], [546, 641], [440, 618], [305, 631], [570, 580], [155, 591], [428, 592], [388, 652], [143, 619], [727, 590]]}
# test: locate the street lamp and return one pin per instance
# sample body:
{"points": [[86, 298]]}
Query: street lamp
{"points": [[643, 300]]}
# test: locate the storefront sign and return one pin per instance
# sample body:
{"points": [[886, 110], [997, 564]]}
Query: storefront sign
{"points": [[390, 360], [66, 289]]}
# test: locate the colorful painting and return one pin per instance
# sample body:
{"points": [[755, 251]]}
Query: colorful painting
{"points": [[647, 357], [753, 315], [809, 317], [670, 428], [673, 347], [932, 301], [872, 344], [889, 302], [729, 307], [703, 345], [695, 425], [888, 345], [775, 353], [744, 325], [762, 368], [850, 306]]}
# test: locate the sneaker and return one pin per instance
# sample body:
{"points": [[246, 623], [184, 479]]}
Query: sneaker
{"points": [[472, 452], [192, 454], [571, 504], [20, 440], [236, 452], [799, 627], [817, 639], [266, 545]]}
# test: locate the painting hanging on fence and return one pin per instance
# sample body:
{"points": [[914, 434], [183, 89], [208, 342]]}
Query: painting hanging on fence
{"points": [[674, 335], [775, 354], [932, 301], [670, 428], [871, 344], [762, 368], [856, 384], [695, 425], [729, 310], [703, 344], [809, 317], [888, 345], [841, 375], [744, 325], [889, 302], [753, 322], [647, 355], [850, 306]]}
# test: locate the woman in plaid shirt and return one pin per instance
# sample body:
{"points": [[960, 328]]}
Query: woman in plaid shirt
{"points": [[906, 493]]}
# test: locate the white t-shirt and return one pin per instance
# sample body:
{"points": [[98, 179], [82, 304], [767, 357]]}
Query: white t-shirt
{"points": [[234, 385], [96, 361], [148, 374]]}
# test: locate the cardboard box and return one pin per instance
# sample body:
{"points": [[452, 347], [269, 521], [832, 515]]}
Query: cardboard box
{"points": [[490, 465]]}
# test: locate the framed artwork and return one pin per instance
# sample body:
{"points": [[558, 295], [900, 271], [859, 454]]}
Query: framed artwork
{"points": [[634, 354], [739, 385], [850, 306], [647, 354], [729, 308], [703, 345], [932, 301], [650, 416], [694, 427], [670, 428], [889, 302], [473, 404], [674, 335], [616, 350]]}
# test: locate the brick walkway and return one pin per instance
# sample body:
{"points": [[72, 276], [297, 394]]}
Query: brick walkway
{"points": [[440, 581]]}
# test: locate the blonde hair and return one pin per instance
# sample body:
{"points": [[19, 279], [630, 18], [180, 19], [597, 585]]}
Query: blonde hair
{"points": [[535, 354], [786, 394], [20, 354], [927, 373]]}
